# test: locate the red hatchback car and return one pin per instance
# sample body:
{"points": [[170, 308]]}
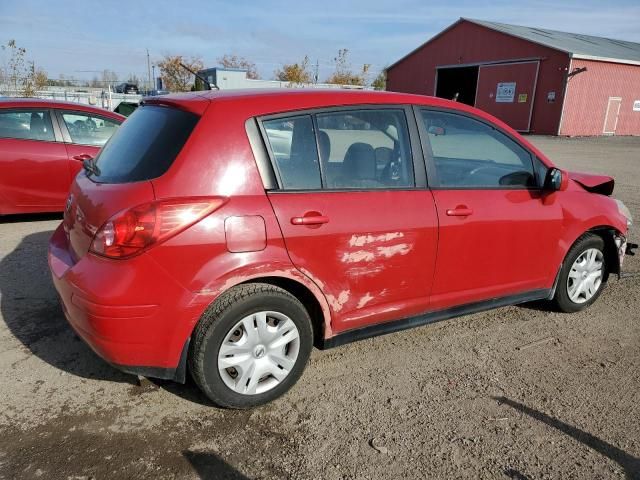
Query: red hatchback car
{"points": [[228, 233], [42, 146]]}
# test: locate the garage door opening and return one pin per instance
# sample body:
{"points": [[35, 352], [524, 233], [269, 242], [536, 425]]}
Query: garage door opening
{"points": [[462, 81]]}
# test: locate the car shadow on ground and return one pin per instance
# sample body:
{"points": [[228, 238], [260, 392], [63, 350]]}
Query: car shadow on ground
{"points": [[188, 391], [629, 463], [210, 466], [30, 307], [539, 306]]}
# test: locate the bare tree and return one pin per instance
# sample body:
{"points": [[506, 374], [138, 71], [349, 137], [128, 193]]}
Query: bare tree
{"points": [[109, 77], [22, 75], [235, 61], [174, 76], [133, 78], [343, 74], [16, 69]]}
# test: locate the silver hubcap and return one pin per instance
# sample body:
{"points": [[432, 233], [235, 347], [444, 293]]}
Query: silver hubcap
{"points": [[585, 276], [258, 352]]}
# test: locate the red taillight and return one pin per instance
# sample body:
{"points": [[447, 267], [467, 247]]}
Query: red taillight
{"points": [[132, 231]]}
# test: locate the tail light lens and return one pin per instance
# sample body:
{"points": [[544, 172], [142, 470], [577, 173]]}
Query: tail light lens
{"points": [[137, 229]]}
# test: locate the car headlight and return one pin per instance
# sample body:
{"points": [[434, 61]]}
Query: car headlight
{"points": [[624, 211]]}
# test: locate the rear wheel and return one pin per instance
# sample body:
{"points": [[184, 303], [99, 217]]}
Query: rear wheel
{"points": [[583, 275], [251, 346]]}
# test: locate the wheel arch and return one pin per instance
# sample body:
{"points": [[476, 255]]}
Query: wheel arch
{"points": [[608, 234], [306, 297], [289, 279]]}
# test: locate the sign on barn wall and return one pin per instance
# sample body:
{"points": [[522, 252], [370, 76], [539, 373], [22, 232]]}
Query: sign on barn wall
{"points": [[636, 106], [506, 92]]}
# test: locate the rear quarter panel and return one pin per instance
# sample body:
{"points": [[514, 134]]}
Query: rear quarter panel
{"points": [[218, 161]]}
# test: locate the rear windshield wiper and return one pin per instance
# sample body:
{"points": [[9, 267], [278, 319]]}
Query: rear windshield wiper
{"points": [[91, 167]]}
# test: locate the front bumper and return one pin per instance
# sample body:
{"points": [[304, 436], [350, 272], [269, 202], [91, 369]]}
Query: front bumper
{"points": [[131, 313]]}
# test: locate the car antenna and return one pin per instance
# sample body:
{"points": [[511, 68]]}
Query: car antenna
{"points": [[210, 86]]}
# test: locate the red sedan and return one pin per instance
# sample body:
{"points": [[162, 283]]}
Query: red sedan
{"points": [[226, 233], [42, 146]]}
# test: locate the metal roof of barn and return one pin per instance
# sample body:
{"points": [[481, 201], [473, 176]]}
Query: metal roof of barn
{"points": [[576, 44]]}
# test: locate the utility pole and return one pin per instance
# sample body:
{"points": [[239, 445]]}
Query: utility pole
{"points": [[149, 70], [317, 70]]}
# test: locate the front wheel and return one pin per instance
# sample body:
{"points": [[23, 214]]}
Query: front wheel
{"points": [[251, 346], [583, 275]]}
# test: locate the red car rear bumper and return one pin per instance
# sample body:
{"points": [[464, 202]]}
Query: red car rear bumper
{"points": [[143, 320]]}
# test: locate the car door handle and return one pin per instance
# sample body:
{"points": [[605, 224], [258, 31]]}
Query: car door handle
{"points": [[459, 212], [310, 220], [82, 157]]}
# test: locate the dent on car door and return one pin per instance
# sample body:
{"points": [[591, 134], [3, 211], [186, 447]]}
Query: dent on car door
{"points": [[34, 174], [85, 134], [352, 218], [499, 232]]}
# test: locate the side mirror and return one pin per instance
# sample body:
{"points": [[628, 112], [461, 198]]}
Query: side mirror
{"points": [[553, 180]]}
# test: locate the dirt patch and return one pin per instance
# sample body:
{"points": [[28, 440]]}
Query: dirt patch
{"points": [[86, 446]]}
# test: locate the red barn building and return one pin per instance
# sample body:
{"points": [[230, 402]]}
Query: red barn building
{"points": [[536, 80]]}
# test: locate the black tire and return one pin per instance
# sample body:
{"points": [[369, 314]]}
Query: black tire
{"points": [[561, 298], [217, 322]]}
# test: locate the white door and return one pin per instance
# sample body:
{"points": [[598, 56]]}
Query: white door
{"points": [[611, 118]]}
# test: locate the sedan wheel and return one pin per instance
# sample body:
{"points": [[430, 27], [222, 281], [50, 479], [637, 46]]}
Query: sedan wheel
{"points": [[258, 352], [585, 276], [250, 346]]}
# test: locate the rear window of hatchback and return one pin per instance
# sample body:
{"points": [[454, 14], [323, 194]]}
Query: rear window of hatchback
{"points": [[145, 146]]}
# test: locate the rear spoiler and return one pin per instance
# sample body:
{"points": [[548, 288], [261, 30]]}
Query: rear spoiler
{"points": [[190, 101]]}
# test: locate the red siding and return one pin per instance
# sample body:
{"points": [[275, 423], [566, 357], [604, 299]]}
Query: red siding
{"points": [[588, 96], [468, 43]]}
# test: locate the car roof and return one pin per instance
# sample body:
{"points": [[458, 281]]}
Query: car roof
{"points": [[265, 101], [12, 102], [321, 94]]}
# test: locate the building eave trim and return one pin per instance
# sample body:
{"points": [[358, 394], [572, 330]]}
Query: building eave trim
{"points": [[605, 59]]}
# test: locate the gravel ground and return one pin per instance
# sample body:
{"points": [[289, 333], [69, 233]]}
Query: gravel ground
{"points": [[516, 393]]}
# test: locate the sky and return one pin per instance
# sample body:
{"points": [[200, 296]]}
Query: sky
{"points": [[81, 38]]}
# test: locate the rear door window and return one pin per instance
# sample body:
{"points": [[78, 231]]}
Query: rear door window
{"points": [[145, 146], [26, 124], [365, 149], [293, 147], [86, 129], [347, 149]]}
